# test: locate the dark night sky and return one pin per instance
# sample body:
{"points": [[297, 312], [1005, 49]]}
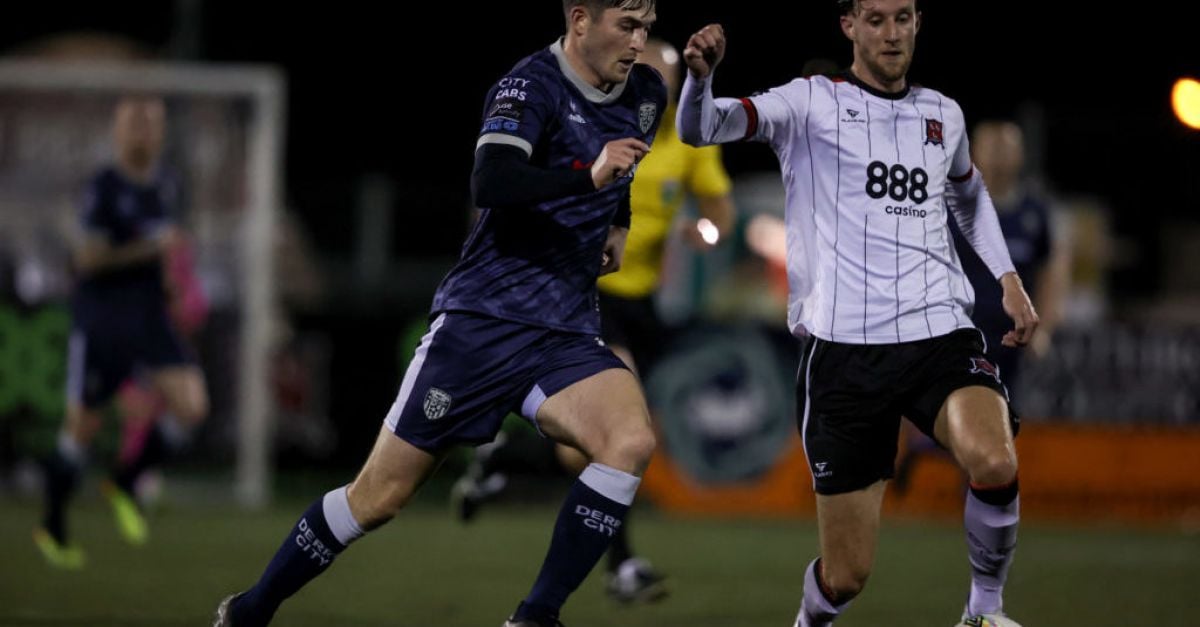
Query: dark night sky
{"points": [[373, 88]]}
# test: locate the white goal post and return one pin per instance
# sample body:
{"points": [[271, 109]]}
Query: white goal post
{"points": [[261, 90]]}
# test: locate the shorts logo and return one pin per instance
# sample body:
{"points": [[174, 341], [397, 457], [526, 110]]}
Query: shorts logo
{"points": [[821, 471], [436, 404], [983, 366], [646, 114]]}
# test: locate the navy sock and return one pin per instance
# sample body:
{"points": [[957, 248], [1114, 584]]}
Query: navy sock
{"points": [[619, 550], [308, 550], [61, 477], [590, 516]]}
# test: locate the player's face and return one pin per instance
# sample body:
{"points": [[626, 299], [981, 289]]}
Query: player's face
{"points": [[612, 41], [138, 128], [884, 33]]}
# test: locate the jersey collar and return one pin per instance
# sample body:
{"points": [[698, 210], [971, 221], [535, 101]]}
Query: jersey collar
{"points": [[849, 77], [591, 93]]}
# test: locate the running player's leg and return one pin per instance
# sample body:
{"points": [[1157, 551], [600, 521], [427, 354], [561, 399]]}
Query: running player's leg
{"points": [[849, 419], [391, 475], [93, 373], [464, 356], [965, 408], [605, 417], [848, 525], [974, 424]]}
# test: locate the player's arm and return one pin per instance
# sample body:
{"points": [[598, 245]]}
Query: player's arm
{"points": [[95, 253], [702, 119], [503, 176], [973, 210]]}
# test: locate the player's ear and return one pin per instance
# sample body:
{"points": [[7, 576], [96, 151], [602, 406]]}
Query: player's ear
{"points": [[917, 23], [847, 21], [578, 20]]}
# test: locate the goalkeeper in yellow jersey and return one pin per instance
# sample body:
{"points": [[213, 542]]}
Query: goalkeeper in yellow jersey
{"points": [[669, 173]]}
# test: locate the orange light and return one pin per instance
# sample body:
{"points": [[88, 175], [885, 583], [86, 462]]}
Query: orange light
{"points": [[1185, 98]]}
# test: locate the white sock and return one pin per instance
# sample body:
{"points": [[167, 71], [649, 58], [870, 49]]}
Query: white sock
{"points": [[991, 541], [816, 610]]}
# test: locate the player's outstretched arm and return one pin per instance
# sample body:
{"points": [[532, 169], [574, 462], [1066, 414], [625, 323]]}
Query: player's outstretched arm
{"points": [[704, 51], [701, 119]]}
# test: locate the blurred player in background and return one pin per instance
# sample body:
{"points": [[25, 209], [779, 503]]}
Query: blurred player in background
{"points": [[514, 324], [630, 322], [121, 323], [872, 165], [149, 435]]}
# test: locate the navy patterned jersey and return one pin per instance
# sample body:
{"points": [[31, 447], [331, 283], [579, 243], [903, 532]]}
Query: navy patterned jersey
{"points": [[123, 211], [538, 264]]}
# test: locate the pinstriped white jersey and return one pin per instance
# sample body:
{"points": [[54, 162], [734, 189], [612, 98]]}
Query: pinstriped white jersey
{"points": [[871, 258]]}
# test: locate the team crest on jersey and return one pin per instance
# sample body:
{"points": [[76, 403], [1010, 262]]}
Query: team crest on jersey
{"points": [[933, 132], [646, 114], [437, 402], [983, 366]]}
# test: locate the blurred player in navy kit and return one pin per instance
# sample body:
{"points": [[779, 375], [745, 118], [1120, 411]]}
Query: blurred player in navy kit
{"points": [[120, 319], [998, 149], [514, 325]]}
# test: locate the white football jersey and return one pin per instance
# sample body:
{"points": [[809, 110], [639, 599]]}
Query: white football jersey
{"points": [[870, 256]]}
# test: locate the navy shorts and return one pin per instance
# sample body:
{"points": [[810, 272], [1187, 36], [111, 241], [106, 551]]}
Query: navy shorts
{"points": [[850, 398], [471, 370], [105, 351]]}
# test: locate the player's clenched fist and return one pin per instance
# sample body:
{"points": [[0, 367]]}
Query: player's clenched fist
{"points": [[617, 159], [705, 50]]}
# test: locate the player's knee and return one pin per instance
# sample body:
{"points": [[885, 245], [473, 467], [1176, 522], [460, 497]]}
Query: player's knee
{"points": [[845, 582], [630, 449], [373, 507], [993, 467]]}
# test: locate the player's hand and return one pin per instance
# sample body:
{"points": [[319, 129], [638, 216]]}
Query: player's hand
{"points": [[1018, 307], [705, 50], [614, 250], [617, 159]]}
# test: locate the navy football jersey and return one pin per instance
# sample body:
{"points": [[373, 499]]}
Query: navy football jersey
{"points": [[538, 264], [1026, 228], [124, 211]]}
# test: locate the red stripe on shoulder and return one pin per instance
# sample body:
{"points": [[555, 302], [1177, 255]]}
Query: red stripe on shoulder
{"points": [[751, 119], [965, 177]]}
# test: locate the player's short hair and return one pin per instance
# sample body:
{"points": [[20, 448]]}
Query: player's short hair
{"points": [[846, 7], [596, 7]]}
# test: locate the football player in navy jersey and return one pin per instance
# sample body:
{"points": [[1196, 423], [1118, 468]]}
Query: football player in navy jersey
{"points": [[120, 319], [515, 325]]}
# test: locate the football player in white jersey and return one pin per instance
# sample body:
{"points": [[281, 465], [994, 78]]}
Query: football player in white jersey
{"points": [[872, 165]]}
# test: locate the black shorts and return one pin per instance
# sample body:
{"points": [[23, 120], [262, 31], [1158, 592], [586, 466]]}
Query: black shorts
{"points": [[850, 398], [633, 323], [105, 350]]}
